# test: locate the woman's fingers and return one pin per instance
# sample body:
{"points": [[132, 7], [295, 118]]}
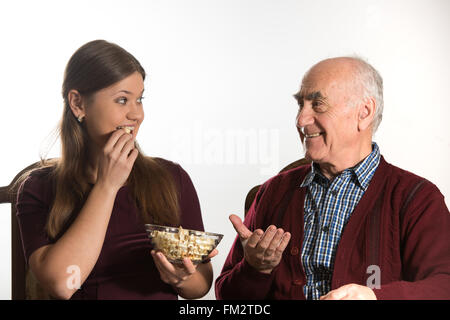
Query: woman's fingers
{"points": [[132, 157], [213, 253], [156, 259], [113, 139], [121, 143], [116, 163], [170, 273], [127, 150], [165, 268], [164, 263], [189, 266], [127, 147]]}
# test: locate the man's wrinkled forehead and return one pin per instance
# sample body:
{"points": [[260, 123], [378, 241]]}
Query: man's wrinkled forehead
{"points": [[322, 78], [309, 95], [310, 89]]}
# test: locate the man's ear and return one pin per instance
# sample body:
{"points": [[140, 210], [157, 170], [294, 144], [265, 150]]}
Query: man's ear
{"points": [[366, 113], [76, 103]]}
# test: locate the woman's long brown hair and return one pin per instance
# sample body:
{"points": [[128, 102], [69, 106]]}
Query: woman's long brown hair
{"points": [[97, 65]]}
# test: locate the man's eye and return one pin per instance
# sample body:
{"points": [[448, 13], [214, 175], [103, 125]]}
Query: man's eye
{"points": [[318, 106]]}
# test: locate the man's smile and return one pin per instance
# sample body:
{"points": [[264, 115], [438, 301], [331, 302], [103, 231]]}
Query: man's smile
{"points": [[313, 135]]}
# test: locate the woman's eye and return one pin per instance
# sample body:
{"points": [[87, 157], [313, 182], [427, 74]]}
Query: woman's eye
{"points": [[139, 100], [122, 100]]}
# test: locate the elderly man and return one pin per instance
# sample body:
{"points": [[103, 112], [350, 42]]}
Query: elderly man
{"points": [[350, 225]]}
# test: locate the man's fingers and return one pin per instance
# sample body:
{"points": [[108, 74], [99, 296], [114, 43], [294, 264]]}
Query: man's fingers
{"points": [[255, 238], [266, 239], [283, 244], [240, 228], [274, 244], [337, 294], [350, 291]]}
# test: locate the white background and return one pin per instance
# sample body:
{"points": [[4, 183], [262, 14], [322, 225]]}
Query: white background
{"points": [[215, 66]]}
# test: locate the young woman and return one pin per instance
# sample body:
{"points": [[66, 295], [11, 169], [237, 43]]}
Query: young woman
{"points": [[83, 215]]}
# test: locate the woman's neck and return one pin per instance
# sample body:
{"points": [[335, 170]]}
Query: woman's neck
{"points": [[92, 168]]}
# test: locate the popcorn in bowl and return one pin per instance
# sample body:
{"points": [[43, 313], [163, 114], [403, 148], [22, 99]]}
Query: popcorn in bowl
{"points": [[178, 243]]}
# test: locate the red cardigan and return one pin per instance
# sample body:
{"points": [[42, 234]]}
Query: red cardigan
{"points": [[401, 224]]}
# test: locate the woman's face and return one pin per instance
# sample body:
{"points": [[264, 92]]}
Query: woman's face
{"points": [[119, 105]]}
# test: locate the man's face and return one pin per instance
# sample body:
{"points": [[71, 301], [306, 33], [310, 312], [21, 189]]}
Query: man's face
{"points": [[326, 120]]}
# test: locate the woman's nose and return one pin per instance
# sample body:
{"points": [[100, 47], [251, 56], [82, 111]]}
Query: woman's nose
{"points": [[136, 112]]}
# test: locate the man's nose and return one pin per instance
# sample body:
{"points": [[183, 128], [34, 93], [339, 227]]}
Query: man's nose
{"points": [[305, 117]]}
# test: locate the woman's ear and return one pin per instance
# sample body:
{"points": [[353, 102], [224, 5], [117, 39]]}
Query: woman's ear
{"points": [[76, 104], [366, 113]]}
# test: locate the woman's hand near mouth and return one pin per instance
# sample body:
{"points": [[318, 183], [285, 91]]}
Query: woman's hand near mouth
{"points": [[116, 160]]}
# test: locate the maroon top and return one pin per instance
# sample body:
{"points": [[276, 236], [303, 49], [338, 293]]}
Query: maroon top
{"points": [[125, 268], [401, 224]]}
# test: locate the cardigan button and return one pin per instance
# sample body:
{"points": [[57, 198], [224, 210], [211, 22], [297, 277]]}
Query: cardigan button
{"points": [[297, 282], [294, 251]]}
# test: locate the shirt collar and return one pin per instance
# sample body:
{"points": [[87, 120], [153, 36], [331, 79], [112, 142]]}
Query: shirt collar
{"points": [[313, 175], [366, 168], [363, 171], [309, 177]]}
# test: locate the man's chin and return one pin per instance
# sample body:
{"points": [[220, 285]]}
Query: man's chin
{"points": [[313, 157]]}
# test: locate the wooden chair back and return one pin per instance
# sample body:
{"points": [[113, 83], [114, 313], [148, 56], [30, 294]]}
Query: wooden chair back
{"points": [[23, 283], [253, 191]]}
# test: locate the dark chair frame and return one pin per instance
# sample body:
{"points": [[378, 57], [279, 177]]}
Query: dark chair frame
{"points": [[23, 284], [252, 193]]}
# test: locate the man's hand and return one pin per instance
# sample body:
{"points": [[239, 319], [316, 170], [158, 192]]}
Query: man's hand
{"points": [[350, 292], [262, 250]]}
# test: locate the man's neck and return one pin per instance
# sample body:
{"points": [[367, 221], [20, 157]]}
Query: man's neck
{"points": [[333, 169]]}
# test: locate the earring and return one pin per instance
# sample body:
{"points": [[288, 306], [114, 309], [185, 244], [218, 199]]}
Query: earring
{"points": [[80, 119]]}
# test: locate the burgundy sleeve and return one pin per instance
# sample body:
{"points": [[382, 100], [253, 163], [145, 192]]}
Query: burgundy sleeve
{"points": [[32, 210], [239, 280], [425, 250]]}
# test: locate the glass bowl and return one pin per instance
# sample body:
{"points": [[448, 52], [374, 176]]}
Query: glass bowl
{"points": [[178, 243]]}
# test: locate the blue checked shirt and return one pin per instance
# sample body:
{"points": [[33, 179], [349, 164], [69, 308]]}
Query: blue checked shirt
{"points": [[328, 206]]}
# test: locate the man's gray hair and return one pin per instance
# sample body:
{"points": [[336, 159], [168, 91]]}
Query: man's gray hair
{"points": [[372, 85]]}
